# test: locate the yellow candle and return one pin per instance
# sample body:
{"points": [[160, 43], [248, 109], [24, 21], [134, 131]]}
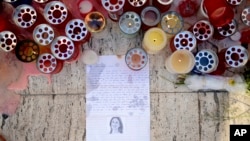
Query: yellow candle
{"points": [[155, 39], [180, 62]]}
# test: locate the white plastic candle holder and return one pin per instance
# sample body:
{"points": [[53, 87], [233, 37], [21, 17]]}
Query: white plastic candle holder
{"points": [[206, 61], [63, 48], [234, 2], [130, 23], [55, 12], [76, 30], [114, 8], [46, 63], [8, 41], [24, 16], [245, 16], [43, 34], [136, 58], [172, 22], [185, 40], [203, 30], [228, 29], [236, 56]]}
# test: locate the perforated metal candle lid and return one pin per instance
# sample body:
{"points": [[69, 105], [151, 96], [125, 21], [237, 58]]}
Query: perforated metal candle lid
{"points": [[55, 12], [43, 34], [206, 61], [24, 16], [228, 29], [95, 21], [150, 11], [76, 30], [137, 3], [185, 40], [130, 23], [113, 5], [46, 63], [172, 22], [8, 41], [136, 58], [62, 48], [203, 30], [236, 56], [245, 16], [234, 2]]}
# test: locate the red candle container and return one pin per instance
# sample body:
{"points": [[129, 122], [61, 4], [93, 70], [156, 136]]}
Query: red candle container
{"points": [[183, 40], [48, 64], [27, 51], [8, 41], [162, 5], [64, 49], [85, 7], [150, 17], [136, 58], [234, 56], [77, 31], [43, 34], [245, 36], [25, 16], [56, 14], [202, 30], [225, 31], [188, 8], [245, 16], [114, 8], [135, 5], [219, 12]]}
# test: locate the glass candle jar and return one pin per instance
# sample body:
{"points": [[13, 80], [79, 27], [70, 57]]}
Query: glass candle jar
{"points": [[180, 62], [206, 61], [202, 30], [95, 22], [154, 40], [172, 22], [188, 8], [85, 7], [136, 58], [130, 23], [43, 34], [245, 16], [48, 64], [64, 49], [8, 41], [114, 8], [183, 40], [77, 31], [162, 5], [234, 56], [27, 51], [225, 31], [150, 17], [219, 14]]}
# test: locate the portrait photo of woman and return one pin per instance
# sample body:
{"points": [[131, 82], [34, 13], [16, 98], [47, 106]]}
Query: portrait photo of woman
{"points": [[116, 126]]}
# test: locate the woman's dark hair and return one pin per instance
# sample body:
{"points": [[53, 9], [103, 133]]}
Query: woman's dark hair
{"points": [[120, 128]]}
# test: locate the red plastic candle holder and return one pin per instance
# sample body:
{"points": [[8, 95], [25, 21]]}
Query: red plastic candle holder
{"points": [[203, 30], [114, 8], [43, 34], [8, 41], [48, 64], [183, 40], [135, 5], [188, 8], [225, 31]]}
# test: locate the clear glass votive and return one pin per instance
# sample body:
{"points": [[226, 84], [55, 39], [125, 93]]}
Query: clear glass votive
{"points": [[130, 23], [95, 21], [172, 23], [27, 50], [136, 58], [150, 17]]}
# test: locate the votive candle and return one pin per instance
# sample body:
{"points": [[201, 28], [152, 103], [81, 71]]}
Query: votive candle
{"points": [[130, 23], [172, 22], [150, 17], [154, 40]]}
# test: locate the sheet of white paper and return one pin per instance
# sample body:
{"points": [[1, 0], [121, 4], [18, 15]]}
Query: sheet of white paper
{"points": [[113, 90]]}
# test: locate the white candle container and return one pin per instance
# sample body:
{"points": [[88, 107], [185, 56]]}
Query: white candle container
{"points": [[245, 16], [136, 58], [130, 23], [43, 34], [184, 40], [8, 41], [47, 63], [236, 56], [203, 30]]}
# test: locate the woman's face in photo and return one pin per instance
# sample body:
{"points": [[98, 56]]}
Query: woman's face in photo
{"points": [[115, 124]]}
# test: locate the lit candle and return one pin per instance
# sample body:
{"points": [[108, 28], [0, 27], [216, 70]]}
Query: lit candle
{"points": [[172, 22], [150, 17], [180, 62], [130, 23], [154, 40], [136, 58]]}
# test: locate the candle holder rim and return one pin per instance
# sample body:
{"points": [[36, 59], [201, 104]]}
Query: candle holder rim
{"points": [[154, 9], [141, 49], [101, 15]]}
